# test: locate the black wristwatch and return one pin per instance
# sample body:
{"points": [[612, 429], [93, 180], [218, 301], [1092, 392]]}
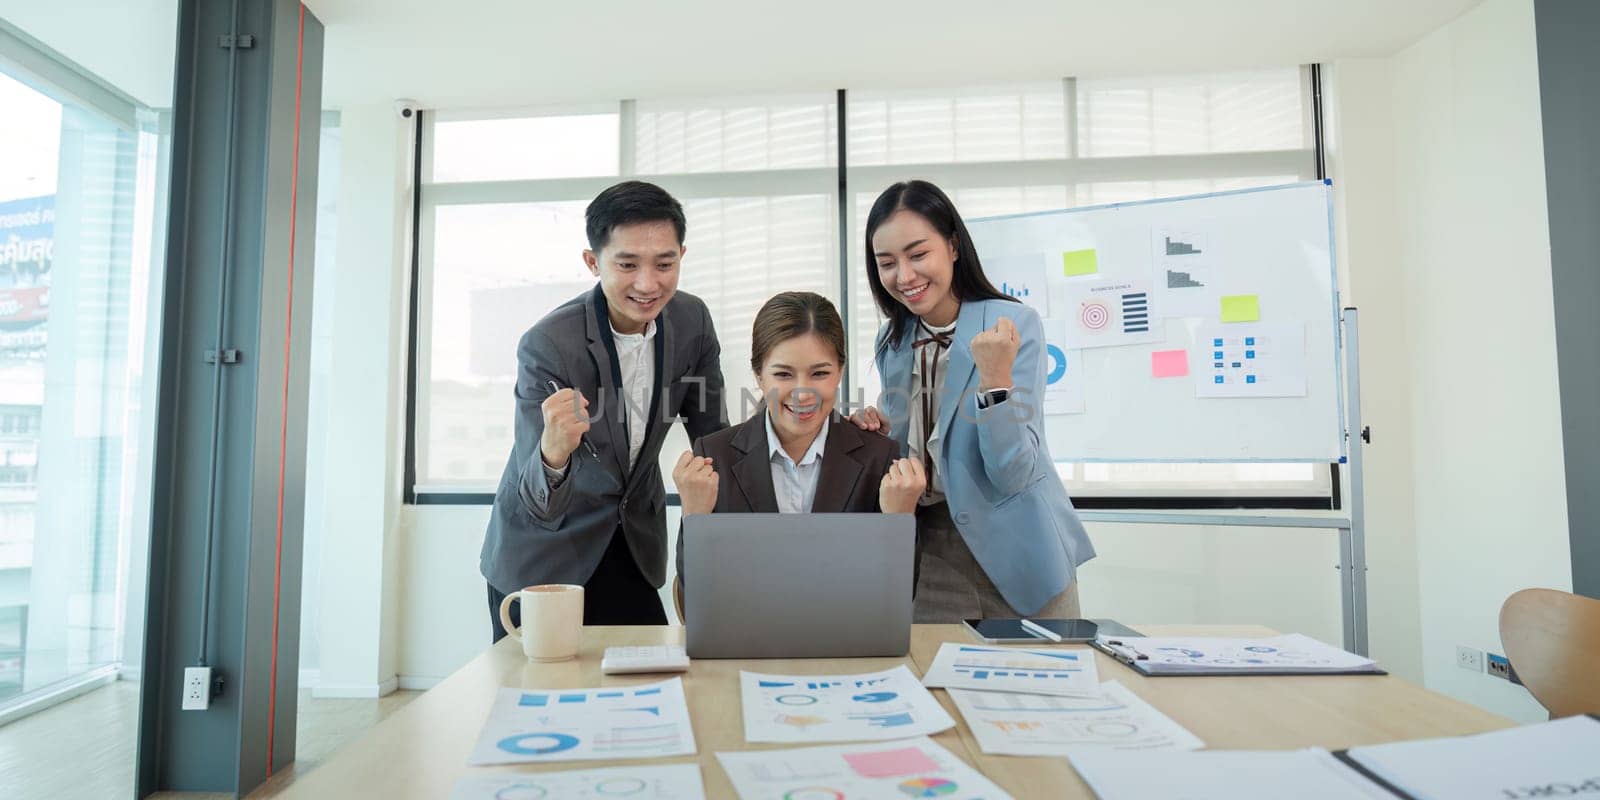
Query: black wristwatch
{"points": [[992, 397]]}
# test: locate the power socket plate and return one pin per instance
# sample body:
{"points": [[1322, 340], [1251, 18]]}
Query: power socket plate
{"points": [[1469, 658], [196, 688]]}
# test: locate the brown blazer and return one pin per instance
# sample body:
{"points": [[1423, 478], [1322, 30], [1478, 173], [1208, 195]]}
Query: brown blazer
{"points": [[853, 464]]}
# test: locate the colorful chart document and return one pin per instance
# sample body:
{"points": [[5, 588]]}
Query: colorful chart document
{"points": [[1012, 724], [1064, 672], [1310, 774], [667, 782], [838, 708], [1112, 313], [1251, 360], [645, 721], [1560, 758], [908, 769], [1064, 377], [1021, 276]]}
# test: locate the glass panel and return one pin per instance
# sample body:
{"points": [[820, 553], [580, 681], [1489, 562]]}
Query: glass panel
{"points": [[1225, 113], [525, 148], [735, 135], [79, 280]]}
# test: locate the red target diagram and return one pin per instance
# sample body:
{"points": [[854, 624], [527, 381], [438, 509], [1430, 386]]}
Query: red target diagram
{"points": [[1094, 316]]}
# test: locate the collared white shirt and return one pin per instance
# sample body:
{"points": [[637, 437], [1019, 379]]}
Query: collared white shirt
{"points": [[636, 359], [935, 490], [795, 485]]}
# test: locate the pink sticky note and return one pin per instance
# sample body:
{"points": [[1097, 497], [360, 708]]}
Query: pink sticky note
{"points": [[891, 763], [1169, 364]]}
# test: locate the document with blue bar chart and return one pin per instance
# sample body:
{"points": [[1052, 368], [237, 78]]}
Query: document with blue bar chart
{"points": [[1065, 672], [839, 708], [535, 725]]}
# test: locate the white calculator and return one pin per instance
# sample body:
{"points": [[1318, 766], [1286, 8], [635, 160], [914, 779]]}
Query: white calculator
{"points": [[653, 658]]}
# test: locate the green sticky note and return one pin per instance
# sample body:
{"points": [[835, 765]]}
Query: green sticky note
{"points": [[1079, 262], [1241, 308]]}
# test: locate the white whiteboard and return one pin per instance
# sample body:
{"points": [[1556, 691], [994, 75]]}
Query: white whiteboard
{"points": [[1273, 243]]}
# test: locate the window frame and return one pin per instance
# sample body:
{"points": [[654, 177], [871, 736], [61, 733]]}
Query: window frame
{"points": [[1070, 169]]}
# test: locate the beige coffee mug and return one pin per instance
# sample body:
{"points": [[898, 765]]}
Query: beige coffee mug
{"points": [[552, 619]]}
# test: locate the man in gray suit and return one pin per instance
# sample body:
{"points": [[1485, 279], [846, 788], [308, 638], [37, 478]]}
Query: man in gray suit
{"points": [[599, 381]]}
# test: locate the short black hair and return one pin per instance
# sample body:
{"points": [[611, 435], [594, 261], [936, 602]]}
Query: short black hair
{"points": [[627, 203]]}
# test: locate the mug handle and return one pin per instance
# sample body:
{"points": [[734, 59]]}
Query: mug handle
{"points": [[505, 616]]}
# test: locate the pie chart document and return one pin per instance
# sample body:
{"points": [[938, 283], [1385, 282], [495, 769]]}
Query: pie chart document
{"points": [[891, 704], [886, 770], [641, 721]]}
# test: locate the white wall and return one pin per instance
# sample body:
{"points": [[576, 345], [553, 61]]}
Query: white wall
{"points": [[1443, 193], [1360, 135], [362, 299], [1490, 493]]}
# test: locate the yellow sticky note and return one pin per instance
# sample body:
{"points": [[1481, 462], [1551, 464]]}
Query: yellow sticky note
{"points": [[1241, 308], [1079, 262]]}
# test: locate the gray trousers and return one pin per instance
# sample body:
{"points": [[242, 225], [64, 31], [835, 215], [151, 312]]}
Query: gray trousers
{"points": [[951, 585]]}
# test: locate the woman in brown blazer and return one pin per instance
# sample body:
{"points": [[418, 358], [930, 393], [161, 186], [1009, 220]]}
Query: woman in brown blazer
{"points": [[794, 456]]}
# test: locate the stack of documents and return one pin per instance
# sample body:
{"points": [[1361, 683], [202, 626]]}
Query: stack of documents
{"points": [[1293, 654], [1037, 702], [1560, 758]]}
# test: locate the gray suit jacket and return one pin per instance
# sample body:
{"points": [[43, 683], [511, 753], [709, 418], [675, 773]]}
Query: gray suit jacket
{"points": [[853, 465], [542, 535]]}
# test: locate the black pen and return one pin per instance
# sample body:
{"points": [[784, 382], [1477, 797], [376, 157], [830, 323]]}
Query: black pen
{"points": [[584, 440]]}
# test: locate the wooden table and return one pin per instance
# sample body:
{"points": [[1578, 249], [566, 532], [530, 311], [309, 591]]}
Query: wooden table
{"points": [[422, 749]]}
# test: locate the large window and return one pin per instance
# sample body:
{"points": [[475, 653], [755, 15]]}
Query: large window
{"points": [[503, 202], [78, 213]]}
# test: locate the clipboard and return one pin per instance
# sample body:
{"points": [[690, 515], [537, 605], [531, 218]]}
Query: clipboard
{"points": [[1130, 657]]}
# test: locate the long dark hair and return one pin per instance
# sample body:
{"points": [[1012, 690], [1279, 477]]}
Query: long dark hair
{"points": [[967, 280]]}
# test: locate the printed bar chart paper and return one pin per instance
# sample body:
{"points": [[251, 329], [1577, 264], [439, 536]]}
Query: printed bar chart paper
{"points": [[1067, 672], [1013, 724]]}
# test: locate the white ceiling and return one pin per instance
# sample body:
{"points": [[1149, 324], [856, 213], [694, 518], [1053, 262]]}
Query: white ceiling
{"points": [[490, 53], [495, 53]]}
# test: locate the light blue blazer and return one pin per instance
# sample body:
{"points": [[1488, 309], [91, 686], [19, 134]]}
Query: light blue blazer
{"points": [[1004, 493]]}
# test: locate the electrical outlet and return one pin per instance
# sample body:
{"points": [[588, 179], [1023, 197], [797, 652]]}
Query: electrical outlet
{"points": [[1468, 658], [196, 688], [1500, 667]]}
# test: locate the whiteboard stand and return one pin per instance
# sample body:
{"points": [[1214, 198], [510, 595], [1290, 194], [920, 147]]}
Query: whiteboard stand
{"points": [[1352, 528]]}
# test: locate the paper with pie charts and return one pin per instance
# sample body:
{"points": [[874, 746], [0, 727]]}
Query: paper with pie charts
{"points": [[838, 708], [666, 782], [534, 725], [911, 768]]}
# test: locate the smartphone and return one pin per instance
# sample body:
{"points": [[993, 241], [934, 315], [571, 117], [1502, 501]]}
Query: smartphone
{"points": [[1010, 631]]}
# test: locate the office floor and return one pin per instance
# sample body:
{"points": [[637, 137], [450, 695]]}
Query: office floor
{"points": [[84, 748]]}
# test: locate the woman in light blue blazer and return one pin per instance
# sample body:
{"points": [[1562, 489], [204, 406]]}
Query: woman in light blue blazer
{"points": [[963, 370]]}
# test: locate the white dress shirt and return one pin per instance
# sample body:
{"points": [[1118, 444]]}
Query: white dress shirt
{"points": [[795, 485], [636, 360], [935, 491]]}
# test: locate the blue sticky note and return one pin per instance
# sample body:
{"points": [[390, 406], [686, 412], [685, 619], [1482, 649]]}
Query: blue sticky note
{"points": [[1250, 340], [1217, 354], [1218, 365], [1249, 379], [1218, 342], [1217, 379], [1237, 365], [1249, 354]]}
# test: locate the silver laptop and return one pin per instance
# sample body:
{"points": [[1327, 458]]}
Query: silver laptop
{"points": [[798, 585]]}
